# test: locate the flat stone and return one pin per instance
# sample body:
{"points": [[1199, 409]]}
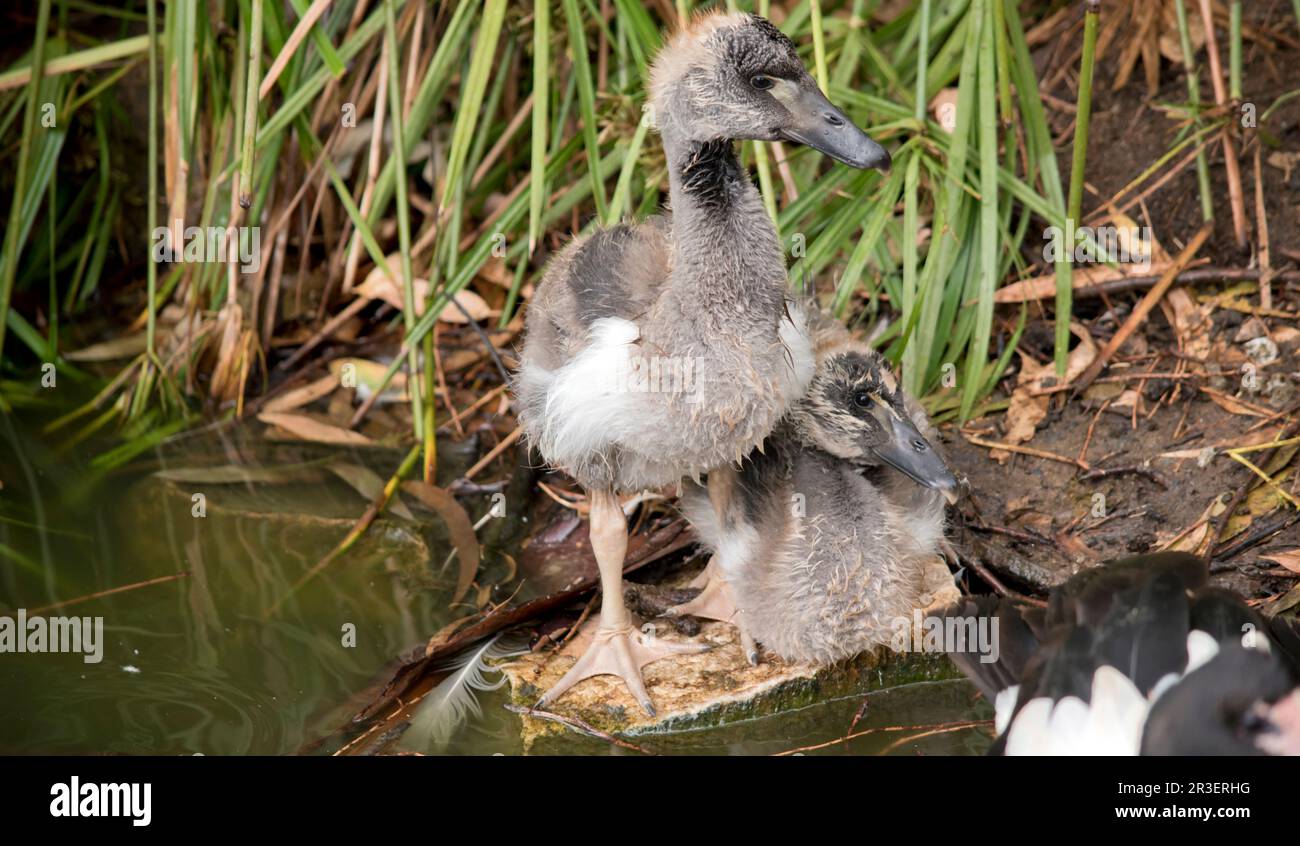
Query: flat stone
{"points": [[703, 690]]}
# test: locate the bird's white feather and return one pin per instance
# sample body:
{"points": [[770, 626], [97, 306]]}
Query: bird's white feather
{"points": [[588, 404], [1004, 706], [445, 707], [1201, 647], [1110, 723], [796, 338]]}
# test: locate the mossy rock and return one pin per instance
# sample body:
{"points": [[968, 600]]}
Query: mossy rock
{"points": [[703, 691]]}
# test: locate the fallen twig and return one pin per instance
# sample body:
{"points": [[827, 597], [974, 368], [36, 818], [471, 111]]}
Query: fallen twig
{"points": [[1024, 450], [934, 728], [109, 592], [578, 725], [1142, 310], [1128, 469]]}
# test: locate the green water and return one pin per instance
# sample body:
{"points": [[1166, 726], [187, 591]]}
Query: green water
{"points": [[222, 657]]}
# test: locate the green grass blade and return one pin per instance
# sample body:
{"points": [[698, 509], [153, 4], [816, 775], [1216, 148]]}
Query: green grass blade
{"points": [[9, 258], [989, 244], [586, 100], [541, 107]]}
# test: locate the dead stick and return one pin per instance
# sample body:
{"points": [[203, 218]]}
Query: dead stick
{"points": [[325, 332], [1121, 284], [1144, 307], [493, 453], [1235, 197], [1261, 226], [887, 729], [102, 593], [1024, 450], [578, 725]]}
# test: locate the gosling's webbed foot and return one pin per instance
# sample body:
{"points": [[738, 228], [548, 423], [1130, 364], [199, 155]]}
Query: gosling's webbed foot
{"points": [[620, 652], [705, 576], [718, 602]]}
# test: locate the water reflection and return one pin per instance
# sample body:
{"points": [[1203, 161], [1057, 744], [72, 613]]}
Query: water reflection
{"points": [[194, 664]]}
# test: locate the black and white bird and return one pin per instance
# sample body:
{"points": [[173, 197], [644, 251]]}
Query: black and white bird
{"points": [[1139, 656]]}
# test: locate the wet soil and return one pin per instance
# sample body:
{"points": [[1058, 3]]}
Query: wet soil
{"points": [[1035, 521]]}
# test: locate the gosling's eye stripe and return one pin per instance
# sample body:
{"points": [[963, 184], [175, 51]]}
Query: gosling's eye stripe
{"points": [[872, 396], [783, 90]]}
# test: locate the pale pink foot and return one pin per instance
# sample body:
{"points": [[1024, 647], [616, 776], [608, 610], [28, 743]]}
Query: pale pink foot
{"points": [[717, 601], [620, 652], [705, 576]]}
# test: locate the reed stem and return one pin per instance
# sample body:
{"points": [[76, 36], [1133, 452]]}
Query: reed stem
{"points": [[1078, 160]]}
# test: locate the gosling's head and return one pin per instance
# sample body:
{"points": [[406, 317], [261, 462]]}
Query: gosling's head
{"points": [[736, 76], [855, 409]]}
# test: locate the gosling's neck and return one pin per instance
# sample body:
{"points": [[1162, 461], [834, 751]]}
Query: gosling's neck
{"points": [[729, 270]]}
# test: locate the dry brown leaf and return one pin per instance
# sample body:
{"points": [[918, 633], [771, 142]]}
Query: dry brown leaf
{"points": [[1191, 540], [310, 429], [1024, 413], [1250, 329], [304, 395], [459, 528], [1027, 407], [1126, 399], [378, 285], [1288, 558], [494, 270], [1170, 42], [1191, 322], [474, 305], [1286, 336], [1085, 276], [1232, 405], [127, 346], [1285, 162]]}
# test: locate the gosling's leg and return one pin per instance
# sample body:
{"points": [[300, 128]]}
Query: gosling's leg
{"points": [[708, 574], [618, 648], [717, 599]]}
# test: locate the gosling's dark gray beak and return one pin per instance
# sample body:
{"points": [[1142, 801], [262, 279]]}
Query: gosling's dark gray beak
{"points": [[818, 124], [908, 452]]}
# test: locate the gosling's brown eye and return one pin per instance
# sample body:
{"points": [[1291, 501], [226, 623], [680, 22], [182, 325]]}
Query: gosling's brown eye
{"points": [[762, 83], [862, 399]]}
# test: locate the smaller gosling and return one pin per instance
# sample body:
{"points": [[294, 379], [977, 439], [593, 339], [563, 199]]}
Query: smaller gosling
{"points": [[832, 532]]}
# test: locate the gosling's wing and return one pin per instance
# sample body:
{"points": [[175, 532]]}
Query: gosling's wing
{"points": [[617, 272]]}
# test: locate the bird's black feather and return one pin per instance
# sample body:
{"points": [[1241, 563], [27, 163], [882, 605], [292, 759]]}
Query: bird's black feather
{"points": [[1135, 615]]}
